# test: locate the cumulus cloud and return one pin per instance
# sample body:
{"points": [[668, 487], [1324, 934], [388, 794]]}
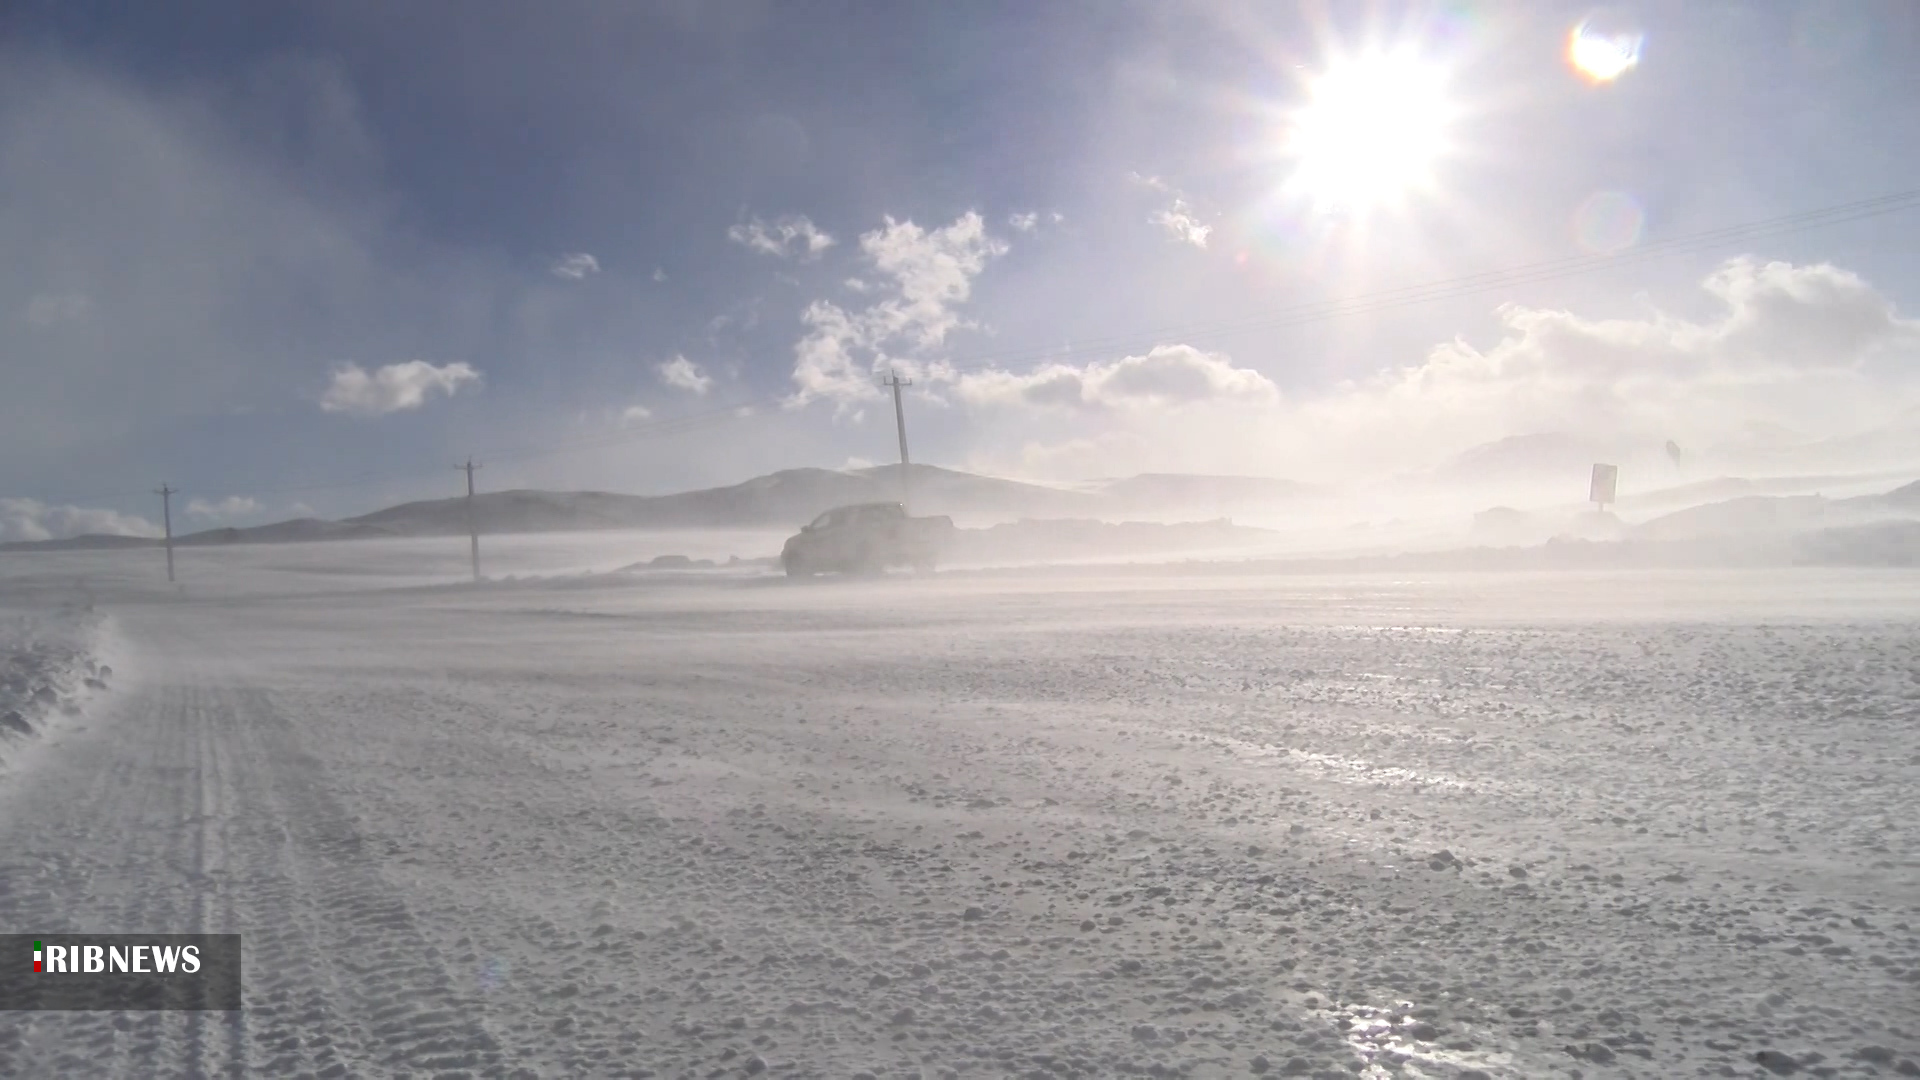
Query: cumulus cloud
{"points": [[1813, 349], [633, 414], [1167, 375], [31, 519], [1181, 224], [923, 276], [1787, 350], [791, 237], [1803, 315], [576, 266], [1177, 217], [233, 506], [683, 374], [393, 388], [1029, 221]]}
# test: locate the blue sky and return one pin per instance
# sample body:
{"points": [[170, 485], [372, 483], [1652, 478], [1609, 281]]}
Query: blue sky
{"points": [[303, 257]]}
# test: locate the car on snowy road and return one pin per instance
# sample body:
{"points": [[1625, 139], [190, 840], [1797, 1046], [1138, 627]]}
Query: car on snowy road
{"points": [[866, 538]]}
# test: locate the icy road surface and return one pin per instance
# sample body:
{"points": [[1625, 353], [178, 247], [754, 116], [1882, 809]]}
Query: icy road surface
{"points": [[994, 825]]}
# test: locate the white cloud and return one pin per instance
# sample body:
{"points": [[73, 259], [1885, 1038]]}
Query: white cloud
{"points": [[659, 274], [300, 510], [1787, 350], [1178, 217], [51, 309], [575, 266], [393, 388], [233, 506], [793, 236], [635, 413], [1167, 376], [1811, 349], [925, 276], [1181, 224], [683, 374], [31, 519], [1029, 221]]}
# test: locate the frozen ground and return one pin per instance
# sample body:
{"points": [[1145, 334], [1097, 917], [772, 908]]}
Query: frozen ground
{"points": [[985, 825], [51, 665]]}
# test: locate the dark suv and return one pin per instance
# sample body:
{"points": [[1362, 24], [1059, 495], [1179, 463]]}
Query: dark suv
{"points": [[866, 538]]}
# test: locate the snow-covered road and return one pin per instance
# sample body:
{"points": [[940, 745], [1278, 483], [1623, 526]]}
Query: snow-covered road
{"points": [[996, 825]]}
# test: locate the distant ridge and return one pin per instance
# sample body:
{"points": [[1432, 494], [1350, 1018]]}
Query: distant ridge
{"points": [[783, 500], [1758, 515]]}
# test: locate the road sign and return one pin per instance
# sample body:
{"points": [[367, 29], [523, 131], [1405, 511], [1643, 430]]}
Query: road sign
{"points": [[1605, 480]]}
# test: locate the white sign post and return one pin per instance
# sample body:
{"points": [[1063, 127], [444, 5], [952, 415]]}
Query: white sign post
{"points": [[1602, 489]]}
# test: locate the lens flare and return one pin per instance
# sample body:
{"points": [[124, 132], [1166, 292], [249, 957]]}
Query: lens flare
{"points": [[1608, 222], [1602, 52]]}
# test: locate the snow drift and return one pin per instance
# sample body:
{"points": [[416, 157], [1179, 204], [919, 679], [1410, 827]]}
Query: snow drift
{"points": [[50, 663]]}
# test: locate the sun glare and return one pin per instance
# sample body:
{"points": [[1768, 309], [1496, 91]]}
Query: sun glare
{"points": [[1370, 131], [1600, 54]]}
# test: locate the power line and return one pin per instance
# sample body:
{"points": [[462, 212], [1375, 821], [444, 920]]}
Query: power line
{"points": [[1282, 317]]}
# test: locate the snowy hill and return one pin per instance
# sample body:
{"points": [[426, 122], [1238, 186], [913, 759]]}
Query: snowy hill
{"points": [[83, 542], [1546, 457], [1757, 515], [780, 500], [783, 499]]}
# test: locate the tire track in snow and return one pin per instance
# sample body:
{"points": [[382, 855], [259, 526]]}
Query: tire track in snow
{"points": [[351, 978], [193, 808], [107, 830]]}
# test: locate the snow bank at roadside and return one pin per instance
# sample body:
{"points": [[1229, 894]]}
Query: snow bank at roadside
{"points": [[50, 664]]}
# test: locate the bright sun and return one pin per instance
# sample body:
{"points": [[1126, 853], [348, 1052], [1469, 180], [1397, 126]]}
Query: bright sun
{"points": [[1370, 132]]}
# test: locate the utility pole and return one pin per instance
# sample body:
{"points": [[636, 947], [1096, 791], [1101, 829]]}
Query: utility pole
{"points": [[894, 381], [166, 494], [473, 523]]}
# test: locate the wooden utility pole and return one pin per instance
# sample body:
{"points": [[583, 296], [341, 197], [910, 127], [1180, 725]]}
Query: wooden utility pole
{"points": [[894, 381], [473, 523], [166, 494]]}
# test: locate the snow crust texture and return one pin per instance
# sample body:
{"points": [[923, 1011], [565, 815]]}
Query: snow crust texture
{"points": [[1458, 826], [50, 666]]}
